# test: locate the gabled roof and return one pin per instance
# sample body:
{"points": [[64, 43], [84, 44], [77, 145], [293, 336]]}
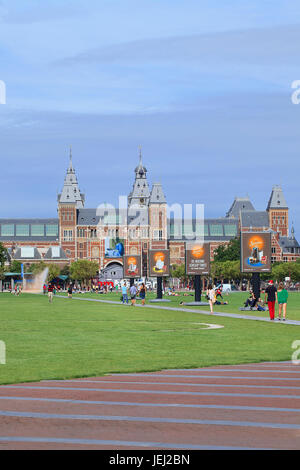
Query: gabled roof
{"points": [[157, 195], [55, 253], [240, 204], [254, 219], [277, 199], [286, 243], [27, 252]]}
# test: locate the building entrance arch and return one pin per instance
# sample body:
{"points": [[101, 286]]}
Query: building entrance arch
{"points": [[112, 271]]}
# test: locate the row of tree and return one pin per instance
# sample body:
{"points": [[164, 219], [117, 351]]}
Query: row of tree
{"points": [[230, 271]]}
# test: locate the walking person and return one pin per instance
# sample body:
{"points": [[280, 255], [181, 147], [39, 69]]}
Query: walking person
{"points": [[211, 297], [271, 294], [124, 293], [50, 293], [133, 292], [143, 293], [70, 291], [282, 297]]}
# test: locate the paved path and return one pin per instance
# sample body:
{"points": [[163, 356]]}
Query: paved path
{"points": [[251, 406], [181, 309]]}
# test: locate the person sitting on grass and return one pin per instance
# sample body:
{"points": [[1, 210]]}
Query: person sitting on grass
{"points": [[251, 301], [260, 306]]}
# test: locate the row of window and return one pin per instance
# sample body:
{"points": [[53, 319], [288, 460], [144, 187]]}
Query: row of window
{"points": [[217, 230], [28, 230], [278, 220]]}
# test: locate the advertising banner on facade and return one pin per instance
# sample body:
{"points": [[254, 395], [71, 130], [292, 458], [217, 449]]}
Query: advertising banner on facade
{"points": [[132, 266], [197, 258], [255, 252], [159, 263]]}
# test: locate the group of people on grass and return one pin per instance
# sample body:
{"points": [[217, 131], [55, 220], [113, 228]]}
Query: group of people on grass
{"points": [[134, 291], [272, 295]]}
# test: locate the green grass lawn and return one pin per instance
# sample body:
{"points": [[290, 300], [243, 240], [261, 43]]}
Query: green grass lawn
{"points": [[72, 338], [235, 301]]}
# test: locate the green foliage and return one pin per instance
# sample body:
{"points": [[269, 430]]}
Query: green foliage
{"points": [[54, 271], [177, 271], [65, 271], [37, 268], [227, 270], [283, 270], [83, 270], [15, 266], [230, 252], [3, 254]]}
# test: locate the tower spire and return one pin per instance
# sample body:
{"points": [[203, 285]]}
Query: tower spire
{"points": [[71, 161], [71, 192]]}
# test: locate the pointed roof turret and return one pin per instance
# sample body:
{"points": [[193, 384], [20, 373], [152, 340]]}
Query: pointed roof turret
{"points": [[140, 193], [140, 170], [292, 232], [71, 193], [157, 195], [277, 199]]}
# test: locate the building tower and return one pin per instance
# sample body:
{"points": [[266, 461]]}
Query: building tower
{"points": [[69, 201], [140, 194], [278, 212]]}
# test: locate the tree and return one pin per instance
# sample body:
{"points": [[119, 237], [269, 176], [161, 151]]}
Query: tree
{"points": [[53, 272], [65, 271], [15, 266], [37, 268], [226, 270], [3, 255], [230, 252], [83, 270], [177, 271], [283, 270]]}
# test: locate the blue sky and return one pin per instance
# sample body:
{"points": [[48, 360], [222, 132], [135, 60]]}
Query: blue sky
{"points": [[204, 87]]}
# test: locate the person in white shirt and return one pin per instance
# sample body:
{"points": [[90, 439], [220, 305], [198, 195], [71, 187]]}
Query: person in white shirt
{"points": [[133, 292], [211, 296]]}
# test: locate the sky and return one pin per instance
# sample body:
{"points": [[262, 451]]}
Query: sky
{"points": [[204, 87]]}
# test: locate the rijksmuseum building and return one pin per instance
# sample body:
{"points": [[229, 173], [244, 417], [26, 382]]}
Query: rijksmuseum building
{"points": [[105, 234]]}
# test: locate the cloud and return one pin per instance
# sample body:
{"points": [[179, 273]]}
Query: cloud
{"points": [[252, 46], [33, 11]]}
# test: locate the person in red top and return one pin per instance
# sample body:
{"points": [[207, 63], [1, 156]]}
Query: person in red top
{"points": [[271, 292], [50, 293]]}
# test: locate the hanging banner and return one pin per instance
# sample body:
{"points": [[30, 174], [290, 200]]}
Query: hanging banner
{"points": [[197, 258], [159, 263], [132, 266], [255, 252]]}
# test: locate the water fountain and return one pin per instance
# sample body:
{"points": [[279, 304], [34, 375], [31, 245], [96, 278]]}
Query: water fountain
{"points": [[35, 285]]}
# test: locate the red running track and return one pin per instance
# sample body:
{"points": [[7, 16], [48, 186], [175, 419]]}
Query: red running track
{"points": [[253, 406]]}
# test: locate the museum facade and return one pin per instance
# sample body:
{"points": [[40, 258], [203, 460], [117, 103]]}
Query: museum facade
{"points": [[143, 222]]}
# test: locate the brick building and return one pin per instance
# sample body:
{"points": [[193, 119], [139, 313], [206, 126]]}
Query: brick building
{"points": [[143, 221]]}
